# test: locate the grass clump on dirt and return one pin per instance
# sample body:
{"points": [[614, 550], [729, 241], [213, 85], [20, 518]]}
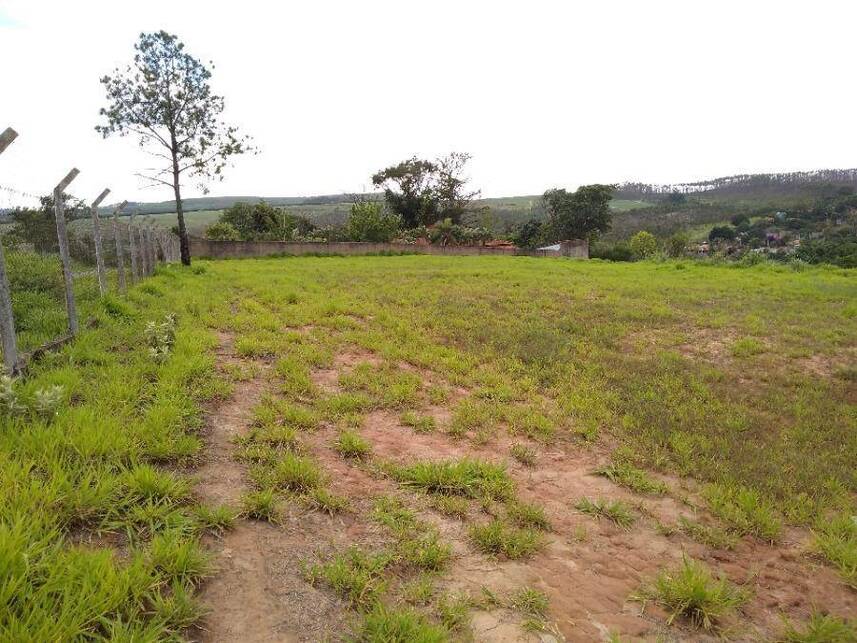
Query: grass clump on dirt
{"points": [[626, 475], [710, 535], [326, 501], [390, 625], [356, 575], [523, 454], [350, 444], [419, 423], [467, 477], [692, 592], [261, 505], [296, 473], [529, 601], [452, 506], [418, 543], [616, 511], [836, 540], [820, 628], [745, 510], [497, 538], [529, 515]]}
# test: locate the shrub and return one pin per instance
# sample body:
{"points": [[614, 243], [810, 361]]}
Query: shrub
{"points": [[676, 245], [371, 221], [222, 231], [643, 245]]}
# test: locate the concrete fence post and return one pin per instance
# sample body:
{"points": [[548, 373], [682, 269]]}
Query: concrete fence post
{"points": [[62, 239], [132, 250], [96, 235], [7, 318], [120, 253]]}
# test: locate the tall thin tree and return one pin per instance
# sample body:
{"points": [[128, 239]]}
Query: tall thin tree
{"points": [[165, 99]]}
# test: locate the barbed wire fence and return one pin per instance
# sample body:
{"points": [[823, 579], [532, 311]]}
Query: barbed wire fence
{"points": [[57, 251]]}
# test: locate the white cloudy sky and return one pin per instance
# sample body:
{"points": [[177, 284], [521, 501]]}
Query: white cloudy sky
{"points": [[541, 93]]}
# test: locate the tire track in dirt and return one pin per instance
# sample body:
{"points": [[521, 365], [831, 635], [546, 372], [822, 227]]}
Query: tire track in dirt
{"points": [[257, 593]]}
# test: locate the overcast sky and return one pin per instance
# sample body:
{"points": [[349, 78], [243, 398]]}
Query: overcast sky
{"points": [[542, 94]]}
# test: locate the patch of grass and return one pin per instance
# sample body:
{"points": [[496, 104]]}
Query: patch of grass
{"points": [[350, 444], [747, 347], [528, 515], [497, 538], [176, 607], [710, 535], [467, 477], [261, 505], [626, 475], [324, 500], [296, 473], [744, 509], [523, 454], [836, 540], [614, 510], [530, 601], [692, 592], [216, 519], [452, 506], [419, 423], [453, 611], [356, 575], [178, 557], [419, 590], [426, 552], [145, 482], [387, 625], [820, 628]]}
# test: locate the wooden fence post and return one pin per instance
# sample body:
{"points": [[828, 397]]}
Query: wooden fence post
{"points": [[62, 239], [120, 254], [132, 249], [96, 235], [7, 318]]}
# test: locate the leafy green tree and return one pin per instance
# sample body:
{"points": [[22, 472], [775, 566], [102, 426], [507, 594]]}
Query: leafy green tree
{"points": [[529, 234], [643, 245], [583, 214], [370, 221], [425, 192], [165, 99], [409, 190]]}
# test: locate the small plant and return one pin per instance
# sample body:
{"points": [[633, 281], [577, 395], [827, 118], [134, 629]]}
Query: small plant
{"points": [[419, 423], [623, 473], [161, 337], [523, 454], [419, 591], [497, 538], [426, 552], [615, 510], [178, 557], [530, 601], [745, 510], [260, 505], [692, 592], [10, 404], [528, 515], [453, 611], [47, 401], [176, 606], [352, 445]]}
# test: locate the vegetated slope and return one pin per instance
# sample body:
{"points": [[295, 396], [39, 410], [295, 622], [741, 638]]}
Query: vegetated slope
{"points": [[443, 446]]}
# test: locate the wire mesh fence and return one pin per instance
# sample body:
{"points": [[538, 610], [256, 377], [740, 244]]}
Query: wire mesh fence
{"points": [[59, 256]]}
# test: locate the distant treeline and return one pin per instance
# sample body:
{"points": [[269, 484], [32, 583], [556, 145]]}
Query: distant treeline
{"points": [[814, 183]]}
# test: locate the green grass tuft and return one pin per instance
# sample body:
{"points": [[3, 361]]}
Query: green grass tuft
{"points": [[472, 478], [626, 475], [614, 510], [350, 444], [497, 538]]}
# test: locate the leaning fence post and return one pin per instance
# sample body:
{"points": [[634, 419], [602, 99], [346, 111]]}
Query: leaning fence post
{"points": [[62, 238], [132, 250], [7, 318], [120, 255], [96, 233]]}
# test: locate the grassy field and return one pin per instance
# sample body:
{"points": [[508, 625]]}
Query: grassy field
{"points": [[440, 448]]}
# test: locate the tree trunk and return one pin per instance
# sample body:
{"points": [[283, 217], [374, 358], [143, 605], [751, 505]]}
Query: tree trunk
{"points": [[184, 245]]}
